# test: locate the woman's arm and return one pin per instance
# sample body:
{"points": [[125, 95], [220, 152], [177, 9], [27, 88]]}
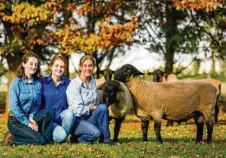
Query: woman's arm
{"points": [[14, 103]]}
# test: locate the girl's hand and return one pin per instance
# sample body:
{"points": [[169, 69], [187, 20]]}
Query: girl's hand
{"points": [[33, 126]]}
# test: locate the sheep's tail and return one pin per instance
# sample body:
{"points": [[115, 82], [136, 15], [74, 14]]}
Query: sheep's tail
{"points": [[217, 109]]}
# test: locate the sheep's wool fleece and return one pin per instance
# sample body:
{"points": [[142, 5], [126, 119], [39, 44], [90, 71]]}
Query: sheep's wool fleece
{"points": [[174, 100], [123, 104]]}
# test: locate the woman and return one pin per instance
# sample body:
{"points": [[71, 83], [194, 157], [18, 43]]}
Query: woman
{"points": [[26, 123], [92, 120], [54, 97]]}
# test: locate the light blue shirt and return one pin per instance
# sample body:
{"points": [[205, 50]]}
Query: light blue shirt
{"points": [[24, 99], [80, 96]]}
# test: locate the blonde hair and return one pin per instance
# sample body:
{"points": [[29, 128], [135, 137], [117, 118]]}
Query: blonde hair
{"points": [[83, 59]]}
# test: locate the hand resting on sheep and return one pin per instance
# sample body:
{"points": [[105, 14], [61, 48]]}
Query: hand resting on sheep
{"points": [[158, 101]]}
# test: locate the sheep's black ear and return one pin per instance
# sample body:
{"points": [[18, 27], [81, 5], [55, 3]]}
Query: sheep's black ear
{"points": [[101, 72]]}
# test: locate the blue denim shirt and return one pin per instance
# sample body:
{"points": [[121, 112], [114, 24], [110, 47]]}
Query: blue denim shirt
{"points": [[24, 98], [54, 97], [80, 97]]}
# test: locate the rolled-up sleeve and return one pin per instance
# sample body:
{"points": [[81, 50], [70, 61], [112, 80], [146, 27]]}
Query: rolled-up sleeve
{"points": [[75, 101], [14, 103]]}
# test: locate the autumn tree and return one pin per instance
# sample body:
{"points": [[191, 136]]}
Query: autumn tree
{"points": [[38, 25], [170, 27]]}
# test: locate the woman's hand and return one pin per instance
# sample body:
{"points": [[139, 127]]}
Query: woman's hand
{"points": [[92, 107], [32, 124]]}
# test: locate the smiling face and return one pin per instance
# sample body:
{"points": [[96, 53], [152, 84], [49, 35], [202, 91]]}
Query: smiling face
{"points": [[31, 66], [58, 68], [86, 68]]}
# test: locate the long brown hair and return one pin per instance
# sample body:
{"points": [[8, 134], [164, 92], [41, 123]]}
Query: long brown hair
{"points": [[83, 59], [58, 57], [20, 70]]}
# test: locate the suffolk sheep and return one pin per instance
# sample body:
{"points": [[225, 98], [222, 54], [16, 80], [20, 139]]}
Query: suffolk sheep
{"points": [[158, 101], [106, 76], [121, 106], [160, 76]]}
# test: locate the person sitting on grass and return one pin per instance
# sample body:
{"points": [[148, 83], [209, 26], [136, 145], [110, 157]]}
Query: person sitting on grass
{"points": [[92, 120], [27, 123], [54, 97]]}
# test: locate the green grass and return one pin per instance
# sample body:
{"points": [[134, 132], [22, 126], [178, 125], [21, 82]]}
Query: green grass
{"points": [[178, 142]]}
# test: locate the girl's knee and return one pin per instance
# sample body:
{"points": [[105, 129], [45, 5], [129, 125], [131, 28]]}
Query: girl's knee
{"points": [[59, 135], [69, 115]]}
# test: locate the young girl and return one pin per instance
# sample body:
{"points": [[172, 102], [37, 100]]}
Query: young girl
{"points": [[54, 97], [92, 120], [26, 123]]}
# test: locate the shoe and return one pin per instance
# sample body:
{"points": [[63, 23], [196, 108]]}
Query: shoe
{"points": [[109, 142], [7, 138], [73, 139]]}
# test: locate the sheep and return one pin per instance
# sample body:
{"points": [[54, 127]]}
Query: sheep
{"points": [[106, 76], [160, 76], [121, 106], [158, 100]]}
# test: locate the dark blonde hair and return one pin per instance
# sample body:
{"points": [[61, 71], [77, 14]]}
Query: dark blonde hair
{"points": [[83, 59], [58, 57], [20, 70]]}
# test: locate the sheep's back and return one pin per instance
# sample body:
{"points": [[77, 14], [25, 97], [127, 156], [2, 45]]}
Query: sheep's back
{"points": [[173, 100]]}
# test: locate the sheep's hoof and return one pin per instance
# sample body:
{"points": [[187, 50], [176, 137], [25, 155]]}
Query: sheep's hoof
{"points": [[159, 142], [198, 141], [209, 141]]}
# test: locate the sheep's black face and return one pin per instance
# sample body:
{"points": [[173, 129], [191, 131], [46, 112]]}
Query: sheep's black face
{"points": [[158, 75], [107, 73], [125, 72], [110, 90]]}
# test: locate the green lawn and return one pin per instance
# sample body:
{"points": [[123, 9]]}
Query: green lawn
{"points": [[178, 142]]}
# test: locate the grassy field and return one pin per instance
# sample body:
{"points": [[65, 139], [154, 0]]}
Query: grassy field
{"points": [[178, 142]]}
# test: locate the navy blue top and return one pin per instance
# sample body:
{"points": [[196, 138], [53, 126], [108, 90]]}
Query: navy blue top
{"points": [[54, 97]]}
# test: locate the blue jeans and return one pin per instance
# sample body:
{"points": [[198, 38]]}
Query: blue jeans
{"points": [[62, 125], [93, 127], [22, 134]]}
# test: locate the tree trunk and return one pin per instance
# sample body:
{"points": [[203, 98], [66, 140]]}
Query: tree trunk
{"points": [[13, 64], [170, 31]]}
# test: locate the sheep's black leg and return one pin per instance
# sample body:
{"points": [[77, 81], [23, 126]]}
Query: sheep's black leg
{"points": [[216, 112], [118, 122], [209, 132], [144, 127], [157, 128], [169, 123], [199, 132]]}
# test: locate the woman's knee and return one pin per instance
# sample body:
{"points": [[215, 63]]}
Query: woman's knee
{"points": [[102, 107]]}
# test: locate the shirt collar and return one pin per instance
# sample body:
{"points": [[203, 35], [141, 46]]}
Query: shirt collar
{"points": [[25, 81], [79, 80], [50, 79]]}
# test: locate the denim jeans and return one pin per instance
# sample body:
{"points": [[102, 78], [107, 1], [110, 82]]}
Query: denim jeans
{"points": [[94, 127], [22, 134], [62, 126]]}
